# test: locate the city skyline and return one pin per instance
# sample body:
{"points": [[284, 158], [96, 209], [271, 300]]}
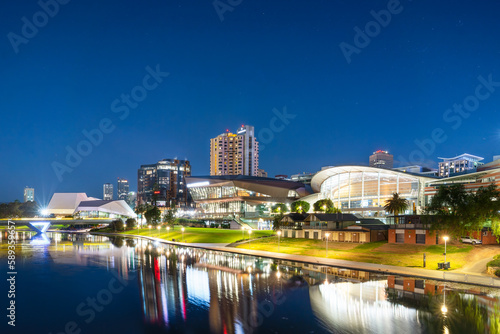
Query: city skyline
{"points": [[282, 68]]}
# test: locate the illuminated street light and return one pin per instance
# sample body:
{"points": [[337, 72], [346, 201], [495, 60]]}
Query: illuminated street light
{"points": [[168, 229], [445, 238], [279, 234], [150, 230], [327, 235], [182, 229], [159, 232]]}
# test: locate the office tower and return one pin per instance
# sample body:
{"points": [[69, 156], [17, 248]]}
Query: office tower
{"points": [[235, 154], [29, 194], [123, 189], [381, 159], [107, 192], [459, 164], [163, 183]]}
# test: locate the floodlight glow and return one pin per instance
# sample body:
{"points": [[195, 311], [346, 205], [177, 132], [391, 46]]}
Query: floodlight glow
{"points": [[44, 212]]}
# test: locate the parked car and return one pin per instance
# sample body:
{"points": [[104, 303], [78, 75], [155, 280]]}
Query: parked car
{"points": [[469, 240]]}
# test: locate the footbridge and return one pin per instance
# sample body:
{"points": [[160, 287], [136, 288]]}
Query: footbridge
{"points": [[41, 225]]}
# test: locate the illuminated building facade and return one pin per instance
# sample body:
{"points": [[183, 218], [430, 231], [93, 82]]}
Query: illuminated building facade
{"points": [[381, 159], [29, 194], [235, 154], [240, 196], [107, 192], [164, 183], [365, 190], [123, 189], [458, 165]]}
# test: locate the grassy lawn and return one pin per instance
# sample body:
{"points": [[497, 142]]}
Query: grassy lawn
{"points": [[198, 235], [376, 252]]}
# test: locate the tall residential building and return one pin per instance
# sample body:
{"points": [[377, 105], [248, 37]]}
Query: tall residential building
{"points": [[381, 159], [29, 194], [123, 189], [164, 183], [460, 164], [235, 154], [107, 192]]}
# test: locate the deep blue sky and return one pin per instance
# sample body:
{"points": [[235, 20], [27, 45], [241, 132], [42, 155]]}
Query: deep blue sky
{"points": [[263, 55]]}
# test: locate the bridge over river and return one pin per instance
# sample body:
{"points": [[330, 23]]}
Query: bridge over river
{"points": [[43, 224]]}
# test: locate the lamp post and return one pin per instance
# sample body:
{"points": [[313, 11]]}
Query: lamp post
{"points": [[249, 234], [150, 230], [168, 229], [159, 232], [279, 234], [445, 238], [327, 235], [182, 229]]}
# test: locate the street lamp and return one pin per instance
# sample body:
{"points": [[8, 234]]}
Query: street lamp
{"points": [[159, 232], [327, 235], [168, 229], [279, 234], [445, 238], [182, 229], [150, 230]]}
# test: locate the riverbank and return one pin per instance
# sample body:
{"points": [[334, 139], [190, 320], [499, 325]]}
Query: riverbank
{"points": [[371, 267]]}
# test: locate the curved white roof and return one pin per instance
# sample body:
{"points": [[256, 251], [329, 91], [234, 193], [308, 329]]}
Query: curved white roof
{"points": [[324, 174]]}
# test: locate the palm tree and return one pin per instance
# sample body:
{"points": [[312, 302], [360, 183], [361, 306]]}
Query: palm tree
{"points": [[396, 204]]}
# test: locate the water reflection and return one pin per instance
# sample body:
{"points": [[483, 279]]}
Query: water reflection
{"points": [[185, 289]]}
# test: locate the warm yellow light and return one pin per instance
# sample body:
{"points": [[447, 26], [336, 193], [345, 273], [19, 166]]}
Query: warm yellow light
{"points": [[182, 229], [249, 231], [444, 309], [149, 226], [168, 228], [327, 235], [445, 238], [279, 232]]}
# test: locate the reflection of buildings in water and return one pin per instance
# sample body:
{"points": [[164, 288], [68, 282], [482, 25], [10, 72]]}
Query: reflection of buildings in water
{"points": [[186, 279], [359, 308], [314, 274]]}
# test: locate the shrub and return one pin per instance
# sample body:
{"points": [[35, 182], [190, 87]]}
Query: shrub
{"points": [[131, 223]]}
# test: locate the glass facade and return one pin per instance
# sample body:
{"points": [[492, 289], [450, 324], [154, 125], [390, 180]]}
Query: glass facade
{"points": [[369, 191]]}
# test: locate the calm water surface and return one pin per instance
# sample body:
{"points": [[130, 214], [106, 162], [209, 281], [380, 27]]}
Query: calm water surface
{"points": [[91, 284]]}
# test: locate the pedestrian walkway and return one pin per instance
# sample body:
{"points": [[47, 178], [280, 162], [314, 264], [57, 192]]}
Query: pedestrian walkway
{"points": [[373, 267]]}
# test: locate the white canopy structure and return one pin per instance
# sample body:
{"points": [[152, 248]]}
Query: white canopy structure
{"points": [[104, 209]]}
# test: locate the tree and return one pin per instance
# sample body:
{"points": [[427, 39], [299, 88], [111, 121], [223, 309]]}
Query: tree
{"points": [[131, 223], [277, 221], [140, 210], [396, 204], [325, 205], [300, 206], [169, 217], [279, 208], [153, 215], [117, 225], [460, 212]]}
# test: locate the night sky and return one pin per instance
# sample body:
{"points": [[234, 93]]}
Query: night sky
{"points": [[234, 65]]}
